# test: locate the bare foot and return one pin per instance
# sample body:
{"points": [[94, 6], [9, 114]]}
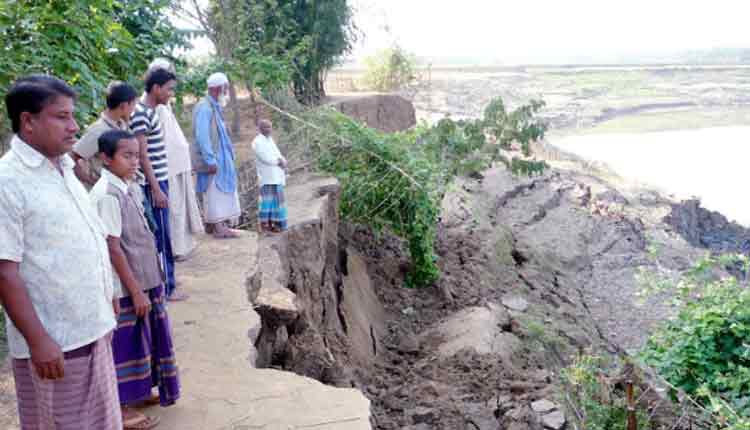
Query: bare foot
{"points": [[178, 296]]}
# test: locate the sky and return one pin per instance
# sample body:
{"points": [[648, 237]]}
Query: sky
{"points": [[539, 31]]}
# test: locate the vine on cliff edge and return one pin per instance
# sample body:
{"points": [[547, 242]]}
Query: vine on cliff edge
{"points": [[397, 181]]}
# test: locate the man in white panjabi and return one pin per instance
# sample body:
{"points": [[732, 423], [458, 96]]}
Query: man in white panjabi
{"points": [[213, 160], [184, 214], [271, 167]]}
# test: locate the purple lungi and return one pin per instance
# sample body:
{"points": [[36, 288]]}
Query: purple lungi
{"points": [[85, 399], [143, 351]]}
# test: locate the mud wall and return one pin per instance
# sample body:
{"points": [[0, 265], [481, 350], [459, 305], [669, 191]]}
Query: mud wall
{"points": [[384, 112], [320, 316]]}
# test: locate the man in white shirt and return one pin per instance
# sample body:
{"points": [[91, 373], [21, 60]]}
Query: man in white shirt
{"points": [[55, 276], [271, 167]]}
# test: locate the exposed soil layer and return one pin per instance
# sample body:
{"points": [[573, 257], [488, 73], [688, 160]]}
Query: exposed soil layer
{"points": [[535, 270], [556, 254], [708, 229]]}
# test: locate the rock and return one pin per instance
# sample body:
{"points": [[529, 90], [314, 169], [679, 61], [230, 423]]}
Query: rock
{"points": [[515, 303], [517, 414], [422, 415], [478, 328], [432, 389], [554, 420], [409, 345], [408, 311], [543, 406], [481, 414], [542, 375]]}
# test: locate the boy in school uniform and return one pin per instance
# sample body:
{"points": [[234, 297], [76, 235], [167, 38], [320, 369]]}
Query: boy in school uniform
{"points": [[142, 344]]}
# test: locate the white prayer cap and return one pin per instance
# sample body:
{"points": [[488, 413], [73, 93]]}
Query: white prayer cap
{"points": [[160, 63], [217, 80]]}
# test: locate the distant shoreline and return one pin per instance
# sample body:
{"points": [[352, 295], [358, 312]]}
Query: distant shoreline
{"points": [[563, 67]]}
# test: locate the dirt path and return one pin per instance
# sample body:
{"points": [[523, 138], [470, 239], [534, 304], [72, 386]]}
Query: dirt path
{"points": [[220, 388]]}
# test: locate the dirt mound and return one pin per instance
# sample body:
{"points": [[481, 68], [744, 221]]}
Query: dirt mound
{"points": [[708, 229], [384, 112]]}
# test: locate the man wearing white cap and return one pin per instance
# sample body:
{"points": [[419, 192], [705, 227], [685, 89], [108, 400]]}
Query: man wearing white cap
{"points": [[184, 215], [213, 160]]}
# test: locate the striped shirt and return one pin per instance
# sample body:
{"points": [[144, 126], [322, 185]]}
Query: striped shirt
{"points": [[145, 121]]}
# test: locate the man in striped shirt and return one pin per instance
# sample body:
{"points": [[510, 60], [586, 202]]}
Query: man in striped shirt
{"points": [[145, 125]]}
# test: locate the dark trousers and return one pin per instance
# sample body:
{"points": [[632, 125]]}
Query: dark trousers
{"points": [[163, 238]]}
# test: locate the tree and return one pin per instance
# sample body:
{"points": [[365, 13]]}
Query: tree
{"points": [[389, 69], [311, 35], [213, 19], [85, 42]]}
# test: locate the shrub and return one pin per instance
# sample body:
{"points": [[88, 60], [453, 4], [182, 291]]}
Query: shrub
{"points": [[389, 69], [705, 350], [593, 401]]}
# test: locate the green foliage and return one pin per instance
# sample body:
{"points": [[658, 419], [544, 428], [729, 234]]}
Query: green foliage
{"points": [[594, 403], [469, 146], [705, 350], [389, 69], [307, 37], [397, 181], [148, 23], [388, 182], [85, 42]]}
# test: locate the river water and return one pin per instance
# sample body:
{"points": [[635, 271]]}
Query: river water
{"points": [[712, 164]]}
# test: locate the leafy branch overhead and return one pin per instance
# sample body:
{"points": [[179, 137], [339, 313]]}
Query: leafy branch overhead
{"points": [[397, 181], [88, 43]]}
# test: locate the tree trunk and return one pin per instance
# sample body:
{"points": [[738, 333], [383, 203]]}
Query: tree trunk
{"points": [[235, 109], [255, 104]]}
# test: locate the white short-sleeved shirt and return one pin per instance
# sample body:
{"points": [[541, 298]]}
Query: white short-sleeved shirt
{"points": [[110, 212], [267, 156], [48, 226]]}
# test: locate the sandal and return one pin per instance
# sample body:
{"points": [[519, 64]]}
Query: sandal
{"points": [[145, 423], [139, 421]]}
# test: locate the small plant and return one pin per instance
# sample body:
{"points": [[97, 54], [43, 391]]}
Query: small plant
{"points": [[593, 400]]}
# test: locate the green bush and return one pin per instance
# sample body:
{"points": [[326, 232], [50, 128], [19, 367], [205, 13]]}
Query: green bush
{"points": [[705, 350], [593, 402], [389, 69]]}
